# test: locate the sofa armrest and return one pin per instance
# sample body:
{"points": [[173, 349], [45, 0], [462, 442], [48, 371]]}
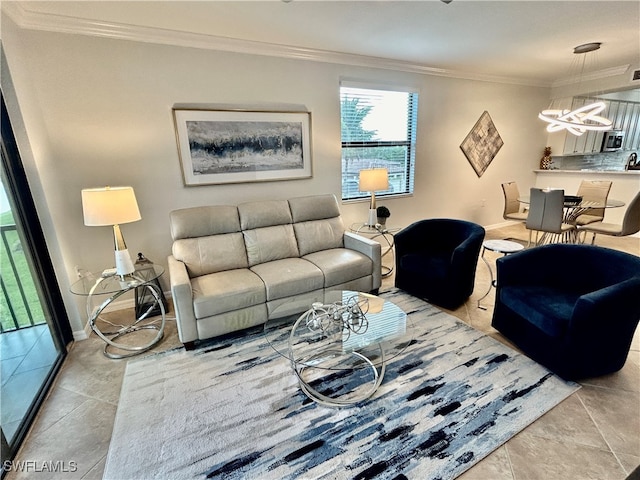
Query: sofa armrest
{"points": [[371, 249], [182, 300]]}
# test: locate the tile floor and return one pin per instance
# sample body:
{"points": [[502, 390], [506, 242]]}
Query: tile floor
{"points": [[594, 434], [26, 358]]}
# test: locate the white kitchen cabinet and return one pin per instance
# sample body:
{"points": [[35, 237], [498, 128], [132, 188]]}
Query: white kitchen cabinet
{"points": [[624, 115], [589, 142]]}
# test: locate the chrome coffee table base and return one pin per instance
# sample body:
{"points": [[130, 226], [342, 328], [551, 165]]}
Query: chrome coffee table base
{"points": [[338, 349], [368, 388]]}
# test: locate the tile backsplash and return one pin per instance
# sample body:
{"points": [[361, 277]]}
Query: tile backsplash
{"points": [[611, 161]]}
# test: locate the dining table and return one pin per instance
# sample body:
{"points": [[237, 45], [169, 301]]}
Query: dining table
{"points": [[574, 206]]}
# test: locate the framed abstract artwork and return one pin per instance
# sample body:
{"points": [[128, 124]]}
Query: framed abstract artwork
{"points": [[237, 146], [482, 144]]}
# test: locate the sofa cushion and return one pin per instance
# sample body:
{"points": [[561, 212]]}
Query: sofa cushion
{"points": [[314, 207], [289, 276], [270, 243], [226, 291], [264, 214], [211, 254], [340, 265], [548, 309], [317, 235], [203, 221]]}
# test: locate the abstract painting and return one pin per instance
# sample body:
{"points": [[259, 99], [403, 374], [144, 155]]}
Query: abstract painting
{"points": [[229, 146], [482, 144]]}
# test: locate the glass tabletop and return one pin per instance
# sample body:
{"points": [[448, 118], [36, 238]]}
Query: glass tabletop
{"points": [[610, 203], [105, 284], [365, 229], [344, 324]]}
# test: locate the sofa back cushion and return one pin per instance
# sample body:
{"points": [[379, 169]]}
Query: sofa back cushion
{"points": [[317, 223], [202, 221], [267, 230], [264, 214], [208, 239], [211, 254]]}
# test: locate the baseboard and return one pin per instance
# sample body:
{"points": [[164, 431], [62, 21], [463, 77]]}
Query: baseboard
{"points": [[508, 223], [81, 334]]}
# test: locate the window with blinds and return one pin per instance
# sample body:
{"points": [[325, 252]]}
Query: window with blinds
{"points": [[378, 131]]}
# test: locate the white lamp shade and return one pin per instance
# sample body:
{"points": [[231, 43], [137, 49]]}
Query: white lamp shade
{"points": [[373, 179], [109, 206]]}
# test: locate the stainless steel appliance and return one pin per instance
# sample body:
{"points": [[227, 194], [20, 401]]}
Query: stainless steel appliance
{"points": [[612, 140]]}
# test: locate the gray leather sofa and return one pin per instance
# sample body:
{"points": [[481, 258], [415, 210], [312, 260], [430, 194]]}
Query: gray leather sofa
{"points": [[234, 267]]}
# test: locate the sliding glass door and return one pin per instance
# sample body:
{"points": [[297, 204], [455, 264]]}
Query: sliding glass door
{"points": [[34, 328]]}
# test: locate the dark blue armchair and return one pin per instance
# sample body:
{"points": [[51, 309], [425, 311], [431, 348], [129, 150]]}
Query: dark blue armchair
{"points": [[572, 308], [436, 260]]}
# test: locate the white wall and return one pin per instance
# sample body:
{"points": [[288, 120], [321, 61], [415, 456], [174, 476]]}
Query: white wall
{"points": [[97, 112]]}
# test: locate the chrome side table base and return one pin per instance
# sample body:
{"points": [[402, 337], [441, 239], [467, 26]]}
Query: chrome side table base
{"points": [[114, 286], [111, 338], [505, 247], [375, 231]]}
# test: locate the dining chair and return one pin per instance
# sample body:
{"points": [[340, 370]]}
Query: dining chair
{"points": [[546, 214], [511, 203], [593, 191], [630, 223]]}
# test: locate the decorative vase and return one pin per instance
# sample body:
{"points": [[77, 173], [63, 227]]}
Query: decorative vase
{"points": [[382, 220]]}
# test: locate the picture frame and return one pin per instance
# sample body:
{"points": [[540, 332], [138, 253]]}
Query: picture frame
{"points": [[482, 144], [238, 146]]}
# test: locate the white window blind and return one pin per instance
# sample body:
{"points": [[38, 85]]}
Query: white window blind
{"points": [[378, 131]]}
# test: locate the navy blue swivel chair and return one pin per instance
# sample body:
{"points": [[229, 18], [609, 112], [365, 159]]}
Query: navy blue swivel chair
{"points": [[572, 308], [436, 260]]}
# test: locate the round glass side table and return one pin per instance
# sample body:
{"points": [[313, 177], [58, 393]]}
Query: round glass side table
{"points": [[379, 231], [501, 246], [114, 286]]}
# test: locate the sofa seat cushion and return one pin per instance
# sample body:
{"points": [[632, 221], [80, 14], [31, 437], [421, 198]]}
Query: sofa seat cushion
{"points": [[340, 265], [222, 292], [289, 276], [549, 309]]}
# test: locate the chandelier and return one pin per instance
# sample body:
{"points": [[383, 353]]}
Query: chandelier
{"points": [[583, 119]]}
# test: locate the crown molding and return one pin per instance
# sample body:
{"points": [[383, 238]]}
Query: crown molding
{"points": [[593, 76], [31, 20]]}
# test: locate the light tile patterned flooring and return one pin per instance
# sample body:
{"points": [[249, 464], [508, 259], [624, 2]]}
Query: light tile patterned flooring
{"points": [[26, 358], [594, 434]]}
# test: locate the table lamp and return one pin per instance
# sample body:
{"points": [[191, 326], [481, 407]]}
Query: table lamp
{"points": [[372, 180], [112, 206]]}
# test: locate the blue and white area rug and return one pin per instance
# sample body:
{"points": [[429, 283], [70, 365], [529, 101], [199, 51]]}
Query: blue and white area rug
{"points": [[233, 410]]}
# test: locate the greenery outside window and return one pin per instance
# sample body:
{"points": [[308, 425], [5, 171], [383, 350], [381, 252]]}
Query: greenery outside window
{"points": [[378, 131]]}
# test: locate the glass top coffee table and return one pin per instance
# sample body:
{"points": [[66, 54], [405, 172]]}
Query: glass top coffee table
{"points": [[339, 347]]}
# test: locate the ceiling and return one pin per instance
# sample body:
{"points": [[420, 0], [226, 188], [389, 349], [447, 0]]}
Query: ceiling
{"points": [[528, 42]]}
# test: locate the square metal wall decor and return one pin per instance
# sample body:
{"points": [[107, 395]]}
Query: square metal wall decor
{"points": [[482, 144], [229, 146]]}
